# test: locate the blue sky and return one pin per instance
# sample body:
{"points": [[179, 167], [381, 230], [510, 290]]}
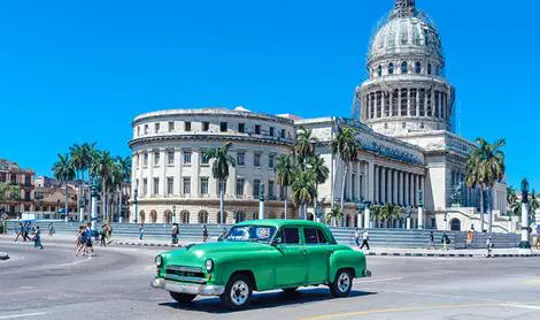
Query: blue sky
{"points": [[76, 70]]}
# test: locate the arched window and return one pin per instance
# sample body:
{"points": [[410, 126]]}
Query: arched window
{"points": [[184, 216], [455, 225], [224, 217], [417, 67], [239, 216], [167, 215], [142, 216], [404, 67], [203, 217], [429, 68], [153, 216], [391, 68], [379, 71]]}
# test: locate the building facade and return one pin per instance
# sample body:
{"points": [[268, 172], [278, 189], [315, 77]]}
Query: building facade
{"points": [[173, 177], [403, 118], [17, 188]]}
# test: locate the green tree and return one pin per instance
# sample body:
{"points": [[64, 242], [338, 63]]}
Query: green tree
{"points": [[285, 167], [81, 156], [10, 192], [64, 171], [389, 212], [485, 166], [334, 217], [346, 147], [376, 213], [303, 188], [220, 170], [123, 175], [103, 167], [304, 147], [321, 171]]}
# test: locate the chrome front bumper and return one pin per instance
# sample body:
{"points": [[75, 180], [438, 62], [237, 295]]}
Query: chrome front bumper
{"points": [[188, 288]]}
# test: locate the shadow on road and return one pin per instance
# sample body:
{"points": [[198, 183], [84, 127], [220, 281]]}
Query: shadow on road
{"points": [[263, 300]]}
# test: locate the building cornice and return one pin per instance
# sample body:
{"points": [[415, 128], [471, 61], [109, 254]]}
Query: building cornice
{"points": [[208, 137]]}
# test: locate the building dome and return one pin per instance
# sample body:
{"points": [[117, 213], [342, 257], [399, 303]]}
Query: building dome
{"points": [[412, 34], [406, 90]]}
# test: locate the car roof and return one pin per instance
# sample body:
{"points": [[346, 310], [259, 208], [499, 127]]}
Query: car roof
{"points": [[280, 223]]}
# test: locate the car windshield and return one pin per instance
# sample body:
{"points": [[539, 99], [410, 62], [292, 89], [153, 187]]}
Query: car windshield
{"points": [[261, 234]]}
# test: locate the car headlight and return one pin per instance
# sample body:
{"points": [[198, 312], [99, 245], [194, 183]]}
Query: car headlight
{"points": [[159, 261], [209, 265]]}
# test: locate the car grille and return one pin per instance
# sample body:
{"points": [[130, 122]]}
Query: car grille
{"points": [[185, 274]]}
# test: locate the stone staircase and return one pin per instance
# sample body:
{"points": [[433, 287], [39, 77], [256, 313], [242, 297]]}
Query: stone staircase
{"points": [[382, 238]]}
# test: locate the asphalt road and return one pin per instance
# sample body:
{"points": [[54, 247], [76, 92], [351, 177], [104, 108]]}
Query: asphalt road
{"points": [[54, 284]]}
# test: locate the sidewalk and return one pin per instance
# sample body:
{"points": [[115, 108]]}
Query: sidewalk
{"points": [[464, 253]]}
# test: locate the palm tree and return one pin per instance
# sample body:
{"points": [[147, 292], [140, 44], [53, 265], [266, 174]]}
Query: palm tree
{"points": [[376, 213], [334, 216], [76, 153], [319, 168], [220, 170], [103, 167], [346, 147], [64, 171], [123, 166], [389, 212], [303, 188], [485, 166], [305, 146], [534, 204], [285, 167]]}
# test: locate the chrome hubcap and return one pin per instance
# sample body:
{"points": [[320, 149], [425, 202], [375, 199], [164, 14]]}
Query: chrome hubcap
{"points": [[239, 293], [344, 282]]}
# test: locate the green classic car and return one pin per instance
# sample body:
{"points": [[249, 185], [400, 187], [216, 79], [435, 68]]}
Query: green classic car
{"points": [[260, 255]]}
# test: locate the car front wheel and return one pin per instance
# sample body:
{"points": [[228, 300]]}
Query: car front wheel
{"points": [[342, 285], [237, 292], [182, 298]]}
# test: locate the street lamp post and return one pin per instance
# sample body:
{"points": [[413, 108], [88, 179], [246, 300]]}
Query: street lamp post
{"points": [[525, 244], [174, 214], [261, 202], [420, 209], [360, 206], [94, 194], [367, 215], [408, 211], [135, 203]]}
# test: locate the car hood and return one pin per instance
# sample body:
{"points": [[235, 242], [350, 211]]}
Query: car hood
{"points": [[195, 255]]}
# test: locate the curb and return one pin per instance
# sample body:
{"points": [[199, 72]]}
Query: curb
{"points": [[123, 243], [450, 255]]}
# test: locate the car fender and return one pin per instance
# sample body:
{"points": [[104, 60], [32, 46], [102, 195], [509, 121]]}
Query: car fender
{"points": [[348, 259]]}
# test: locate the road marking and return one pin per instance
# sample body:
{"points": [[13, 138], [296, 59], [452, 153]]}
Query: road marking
{"points": [[14, 316], [378, 280], [71, 264], [533, 281], [420, 308]]}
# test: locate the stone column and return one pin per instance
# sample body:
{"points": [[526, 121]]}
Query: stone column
{"points": [[395, 186], [418, 102], [401, 188], [389, 184], [368, 181], [383, 185], [376, 184]]}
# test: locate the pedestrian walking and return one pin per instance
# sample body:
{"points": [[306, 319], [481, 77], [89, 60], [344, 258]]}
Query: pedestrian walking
{"points": [[81, 241], [20, 232], [109, 233], [26, 231], [141, 232], [103, 236], [357, 237], [489, 247], [174, 233], [365, 240], [445, 240], [469, 239], [204, 233], [88, 237], [37, 239], [51, 229], [431, 243]]}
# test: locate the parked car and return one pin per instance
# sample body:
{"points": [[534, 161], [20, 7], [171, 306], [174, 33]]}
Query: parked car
{"points": [[260, 255]]}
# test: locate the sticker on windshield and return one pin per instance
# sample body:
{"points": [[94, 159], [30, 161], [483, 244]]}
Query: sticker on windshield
{"points": [[263, 233], [239, 235]]}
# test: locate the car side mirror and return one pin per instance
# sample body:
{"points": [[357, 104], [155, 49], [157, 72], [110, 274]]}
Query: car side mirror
{"points": [[276, 242]]}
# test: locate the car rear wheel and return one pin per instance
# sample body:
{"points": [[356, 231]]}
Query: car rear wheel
{"points": [[290, 290], [342, 285], [182, 298], [238, 292]]}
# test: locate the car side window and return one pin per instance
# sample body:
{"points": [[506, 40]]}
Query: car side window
{"points": [[290, 236], [321, 237], [310, 234]]}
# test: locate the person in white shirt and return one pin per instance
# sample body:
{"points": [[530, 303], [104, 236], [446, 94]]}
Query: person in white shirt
{"points": [[365, 239]]}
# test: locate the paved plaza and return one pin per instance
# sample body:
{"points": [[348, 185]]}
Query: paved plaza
{"points": [[114, 284]]}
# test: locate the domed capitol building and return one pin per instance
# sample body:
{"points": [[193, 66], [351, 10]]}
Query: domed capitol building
{"points": [[403, 117]]}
